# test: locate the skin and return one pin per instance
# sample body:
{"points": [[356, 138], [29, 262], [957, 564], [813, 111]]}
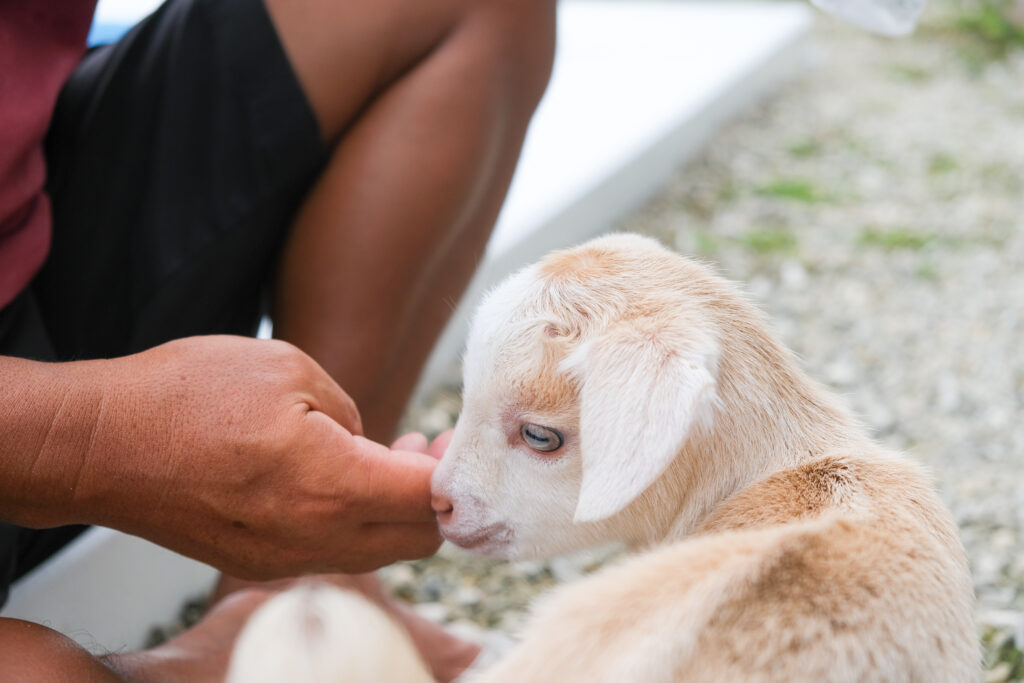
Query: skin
{"points": [[248, 454], [230, 417]]}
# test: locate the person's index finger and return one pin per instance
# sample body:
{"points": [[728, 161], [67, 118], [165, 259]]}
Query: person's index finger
{"points": [[397, 483]]}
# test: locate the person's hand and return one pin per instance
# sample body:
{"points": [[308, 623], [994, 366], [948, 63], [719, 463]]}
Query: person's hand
{"points": [[245, 454]]}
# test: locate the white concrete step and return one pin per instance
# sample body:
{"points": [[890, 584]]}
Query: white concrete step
{"points": [[638, 88]]}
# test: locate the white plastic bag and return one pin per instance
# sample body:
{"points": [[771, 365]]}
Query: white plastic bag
{"points": [[887, 17]]}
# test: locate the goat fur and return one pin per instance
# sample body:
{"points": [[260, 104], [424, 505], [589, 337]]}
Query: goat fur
{"points": [[776, 541]]}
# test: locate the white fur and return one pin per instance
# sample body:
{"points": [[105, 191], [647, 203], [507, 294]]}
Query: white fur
{"points": [[320, 634], [640, 396]]}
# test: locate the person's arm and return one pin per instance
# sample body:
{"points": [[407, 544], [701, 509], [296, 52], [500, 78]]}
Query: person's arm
{"points": [[234, 451], [47, 415]]}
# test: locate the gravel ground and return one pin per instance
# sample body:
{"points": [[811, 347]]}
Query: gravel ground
{"points": [[875, 208]]}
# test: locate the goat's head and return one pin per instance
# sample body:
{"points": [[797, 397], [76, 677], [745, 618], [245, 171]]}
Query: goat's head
{"points": [[585, 375]]}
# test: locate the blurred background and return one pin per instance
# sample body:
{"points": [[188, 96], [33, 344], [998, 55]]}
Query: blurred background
{"points": [[873, 204]]}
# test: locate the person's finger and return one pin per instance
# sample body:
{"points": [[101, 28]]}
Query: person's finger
{"points": [[440, 444], [394, 485], [399, 541], [414, 441], [384, 485]]}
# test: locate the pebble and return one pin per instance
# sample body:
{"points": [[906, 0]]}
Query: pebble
{"points": [[999, 673]]}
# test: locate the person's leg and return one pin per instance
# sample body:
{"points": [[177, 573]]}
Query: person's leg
{"points": [[32, 653], [429, 103]]}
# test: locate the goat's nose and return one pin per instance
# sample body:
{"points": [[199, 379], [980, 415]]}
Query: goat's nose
{"points": [[443, 507]]}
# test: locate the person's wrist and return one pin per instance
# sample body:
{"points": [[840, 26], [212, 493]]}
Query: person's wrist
{"points": [[111, 423], [51, 415]]}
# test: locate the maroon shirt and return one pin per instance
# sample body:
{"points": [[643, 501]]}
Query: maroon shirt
{"points": [[41, 41]]}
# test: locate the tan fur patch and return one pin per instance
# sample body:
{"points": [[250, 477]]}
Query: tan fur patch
{"points": [[546, 389], [578, 264], [786, 496]]}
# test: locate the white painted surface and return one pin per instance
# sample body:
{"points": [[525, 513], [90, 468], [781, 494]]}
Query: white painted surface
{"points": [[638, 88], [107, 590]]}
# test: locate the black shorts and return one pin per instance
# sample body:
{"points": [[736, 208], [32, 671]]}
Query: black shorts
{"points": [[176, 158]]}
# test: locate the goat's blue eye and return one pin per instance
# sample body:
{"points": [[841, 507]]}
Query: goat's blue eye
{"points": [[543, 439]]}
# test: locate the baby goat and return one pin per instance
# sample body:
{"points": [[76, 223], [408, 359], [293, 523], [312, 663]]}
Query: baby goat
{"points": [[618, 391]]}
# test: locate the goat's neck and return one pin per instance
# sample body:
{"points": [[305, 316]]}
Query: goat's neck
{"points": [[770, 416]]}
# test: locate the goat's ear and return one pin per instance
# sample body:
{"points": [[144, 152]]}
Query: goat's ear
{"points": [[644, 386]]}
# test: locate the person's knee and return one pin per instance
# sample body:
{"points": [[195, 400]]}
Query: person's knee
{"points": [[31, 652], [516, 44]]}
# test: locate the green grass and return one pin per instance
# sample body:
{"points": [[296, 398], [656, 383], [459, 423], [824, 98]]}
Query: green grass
{"points": [[727, 192], [942, 163], [991, 23], [759, 240], [804, 149], [895, 238], [1004, 660], [769, 240], [793, 189], [979, 31], [927, 271], [1001, 175], [909, 73], [707, 244]]}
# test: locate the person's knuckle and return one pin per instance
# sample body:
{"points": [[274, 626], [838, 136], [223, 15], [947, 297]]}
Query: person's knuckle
{"points": [[288, 363]]}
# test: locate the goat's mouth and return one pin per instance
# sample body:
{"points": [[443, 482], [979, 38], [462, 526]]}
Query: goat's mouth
{"points": [[488, 540]]}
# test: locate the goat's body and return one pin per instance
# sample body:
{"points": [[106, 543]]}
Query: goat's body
{"points": [[841, 569]]}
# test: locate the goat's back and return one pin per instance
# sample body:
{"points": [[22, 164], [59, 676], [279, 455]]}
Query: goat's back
{"points": [[841, 569]]}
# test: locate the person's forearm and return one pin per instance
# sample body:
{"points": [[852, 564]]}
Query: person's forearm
{"points": [[48, 414]]}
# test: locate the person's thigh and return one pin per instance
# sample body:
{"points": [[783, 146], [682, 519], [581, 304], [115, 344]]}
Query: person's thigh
{"points": [[177, 157], [347, 52]]}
